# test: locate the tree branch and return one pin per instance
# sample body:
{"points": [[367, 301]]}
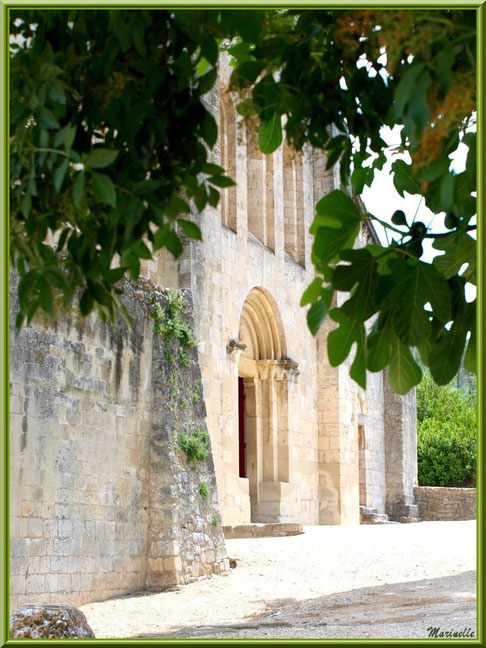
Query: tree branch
{"points": [[469, 228]]}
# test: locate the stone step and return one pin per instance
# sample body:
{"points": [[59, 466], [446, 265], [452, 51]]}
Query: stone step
{"points": [[376, 518], [367, 510], [405, 510], [262, 530], [369, 515]]}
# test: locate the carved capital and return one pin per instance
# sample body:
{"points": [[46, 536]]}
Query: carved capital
{"points": [[284, 369], [266, 369]]}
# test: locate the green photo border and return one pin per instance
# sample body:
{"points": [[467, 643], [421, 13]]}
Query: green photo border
{"points": [[4, 301]]}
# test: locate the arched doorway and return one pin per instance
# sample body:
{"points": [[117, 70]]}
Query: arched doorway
{"points": [[263, 435]]}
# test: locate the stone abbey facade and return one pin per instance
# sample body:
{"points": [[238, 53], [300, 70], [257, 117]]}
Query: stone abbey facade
{"points": [[102, 501], [293, 438]]}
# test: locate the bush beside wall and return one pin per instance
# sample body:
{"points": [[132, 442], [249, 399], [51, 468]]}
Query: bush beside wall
{"points": [[446, 436]]}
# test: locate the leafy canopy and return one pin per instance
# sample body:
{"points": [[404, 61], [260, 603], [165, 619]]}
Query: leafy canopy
{"points": [[109, 159]]}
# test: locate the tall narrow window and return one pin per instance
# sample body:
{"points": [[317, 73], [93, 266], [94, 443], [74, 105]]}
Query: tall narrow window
{"points": [[228, 158], [294, 235], [362, 465], [260, 191], [269, 204]]}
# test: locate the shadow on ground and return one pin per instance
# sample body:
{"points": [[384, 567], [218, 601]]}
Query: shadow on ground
{"points": [[421, 604]]}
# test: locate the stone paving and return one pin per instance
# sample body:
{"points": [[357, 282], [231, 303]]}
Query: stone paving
{"points": [[393, 580]]}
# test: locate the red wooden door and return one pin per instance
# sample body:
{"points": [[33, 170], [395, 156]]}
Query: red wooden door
{"points": [[241, 427]]}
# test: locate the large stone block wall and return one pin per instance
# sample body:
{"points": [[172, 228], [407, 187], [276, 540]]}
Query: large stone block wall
{"points": [[344, 408], [101, 502], [79, 437], [440, 503]]}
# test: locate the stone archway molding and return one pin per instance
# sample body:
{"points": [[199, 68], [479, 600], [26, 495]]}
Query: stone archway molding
{"points": [[267, 372]]}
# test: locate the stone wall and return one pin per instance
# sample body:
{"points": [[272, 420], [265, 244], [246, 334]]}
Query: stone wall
{"points": [[185, 539], [439, 503], [101, 501]]}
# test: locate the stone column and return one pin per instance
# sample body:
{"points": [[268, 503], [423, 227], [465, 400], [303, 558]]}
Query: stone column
{"points": [[282, 392], [400, 454], [269, 420], [286, 371], [253, 439], [275, 494]]}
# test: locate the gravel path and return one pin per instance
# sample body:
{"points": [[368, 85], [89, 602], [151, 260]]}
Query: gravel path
{"points": [[393, 580]]}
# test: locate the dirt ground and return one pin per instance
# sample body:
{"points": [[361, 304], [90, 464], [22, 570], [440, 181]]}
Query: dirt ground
{"points": [[395, 581]]}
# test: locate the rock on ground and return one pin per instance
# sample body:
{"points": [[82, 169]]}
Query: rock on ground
{"points": [[48, 621]]}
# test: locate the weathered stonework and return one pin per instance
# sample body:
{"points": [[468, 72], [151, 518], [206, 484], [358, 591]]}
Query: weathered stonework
{"points": [[440, 503], [102, 501]]}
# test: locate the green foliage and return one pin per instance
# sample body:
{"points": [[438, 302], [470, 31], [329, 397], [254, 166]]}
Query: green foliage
{"points": [[195, 445], [177, 302], [170, 325], [183, 358], [447, 435], [109, 143], [204, 490], [215, 520], [196, 392], [109, 153], [446, 456], [270, 135]]}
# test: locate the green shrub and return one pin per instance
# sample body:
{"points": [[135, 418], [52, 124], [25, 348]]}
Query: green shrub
{"points": [[445, 404], [446, 455], [204, 490], [196, 445], [446, 435]]}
